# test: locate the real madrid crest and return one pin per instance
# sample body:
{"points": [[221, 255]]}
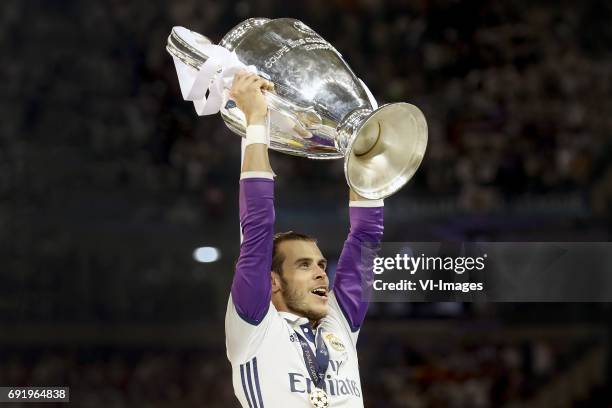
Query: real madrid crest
{"points": [[335, 342]]}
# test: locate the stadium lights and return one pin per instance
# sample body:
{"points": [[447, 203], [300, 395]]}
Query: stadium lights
{"points": [[206, 254]]}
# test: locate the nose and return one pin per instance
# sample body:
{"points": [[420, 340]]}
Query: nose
{"points": [[320, 273]]}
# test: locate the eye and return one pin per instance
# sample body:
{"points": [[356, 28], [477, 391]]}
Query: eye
{"points": [[304, 264]]}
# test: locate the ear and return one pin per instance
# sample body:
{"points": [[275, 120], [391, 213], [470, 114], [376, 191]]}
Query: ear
{"points": [[276, 282]]}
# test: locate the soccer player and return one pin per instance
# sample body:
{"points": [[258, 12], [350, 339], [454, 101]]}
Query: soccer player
{"points": [[290, 339]]}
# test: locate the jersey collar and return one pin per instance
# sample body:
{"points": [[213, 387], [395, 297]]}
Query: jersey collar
{"points": [[300, 325], [293, 319]]}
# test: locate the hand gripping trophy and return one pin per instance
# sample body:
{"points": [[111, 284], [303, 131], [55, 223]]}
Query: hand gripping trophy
{"points": [[319, 109]]}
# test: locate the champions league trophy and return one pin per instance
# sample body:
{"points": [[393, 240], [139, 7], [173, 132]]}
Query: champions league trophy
{"points": [[319, 108]]}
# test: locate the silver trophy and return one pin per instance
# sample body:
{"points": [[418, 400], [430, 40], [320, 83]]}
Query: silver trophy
{"points": [[320, 109]]}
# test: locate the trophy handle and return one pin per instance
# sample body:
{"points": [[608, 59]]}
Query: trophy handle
{"points": [[286, 117], [307, 117]]}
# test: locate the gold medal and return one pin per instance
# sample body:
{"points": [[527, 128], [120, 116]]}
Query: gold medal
{"points": [[319, 398]]}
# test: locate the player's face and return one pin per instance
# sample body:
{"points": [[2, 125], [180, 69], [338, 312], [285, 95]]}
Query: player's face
{"points": [[304, 282]]}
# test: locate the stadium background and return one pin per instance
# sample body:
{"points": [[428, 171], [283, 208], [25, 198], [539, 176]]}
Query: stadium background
{"points": [[108, 181]]}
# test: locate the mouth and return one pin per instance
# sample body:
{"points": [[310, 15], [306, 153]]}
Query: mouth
{"points": [[320, 292]]}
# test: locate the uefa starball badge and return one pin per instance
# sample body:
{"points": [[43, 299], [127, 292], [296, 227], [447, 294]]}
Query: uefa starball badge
{"points": [[319, 398]]}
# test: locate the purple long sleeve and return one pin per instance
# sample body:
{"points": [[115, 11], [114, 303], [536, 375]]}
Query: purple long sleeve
{"points": [[352, 274], [251, 288]]}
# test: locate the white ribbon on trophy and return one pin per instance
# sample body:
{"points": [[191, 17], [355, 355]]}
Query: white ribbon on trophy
{"points": [[213, 77]]}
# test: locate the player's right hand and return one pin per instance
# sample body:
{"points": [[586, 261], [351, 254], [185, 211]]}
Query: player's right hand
{"points": [[246, 92]]}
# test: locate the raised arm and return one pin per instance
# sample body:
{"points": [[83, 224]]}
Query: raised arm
{"points": [[251, 285], [352, 274]]}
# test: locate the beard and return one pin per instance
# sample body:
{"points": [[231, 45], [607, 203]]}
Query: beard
{"points": [[297, 302]]}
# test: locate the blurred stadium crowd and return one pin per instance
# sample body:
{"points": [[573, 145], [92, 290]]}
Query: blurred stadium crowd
{"points": [[107, 175], [459, 373]]}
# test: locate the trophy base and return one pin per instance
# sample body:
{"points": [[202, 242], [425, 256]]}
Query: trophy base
{"points": [[386, 151]]}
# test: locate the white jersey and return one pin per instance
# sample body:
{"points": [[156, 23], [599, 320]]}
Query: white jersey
{"points": [[268, 363], [262, 345]]}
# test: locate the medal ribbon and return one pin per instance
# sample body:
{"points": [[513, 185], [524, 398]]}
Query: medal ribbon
{"points": [[316, 365]]}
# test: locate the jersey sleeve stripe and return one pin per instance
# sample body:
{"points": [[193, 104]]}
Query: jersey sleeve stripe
{"points": [[347, 316], [244, 388], [258, 389], [367, 203], [247, 319], [250, 382], [256, 174]]}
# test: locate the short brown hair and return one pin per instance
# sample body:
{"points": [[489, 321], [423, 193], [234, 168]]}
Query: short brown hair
{"points": [[278, 257]]}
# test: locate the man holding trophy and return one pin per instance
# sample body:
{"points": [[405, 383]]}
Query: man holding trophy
{"points": [[291, 340]]}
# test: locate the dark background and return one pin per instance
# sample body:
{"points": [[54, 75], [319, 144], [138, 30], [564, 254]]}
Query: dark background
{"points": [[109, 181]]}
